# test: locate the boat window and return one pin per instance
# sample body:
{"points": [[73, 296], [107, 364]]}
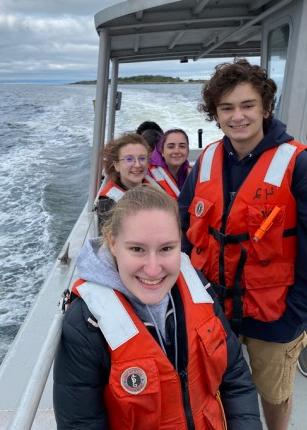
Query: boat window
{"points": [[278, 41]]}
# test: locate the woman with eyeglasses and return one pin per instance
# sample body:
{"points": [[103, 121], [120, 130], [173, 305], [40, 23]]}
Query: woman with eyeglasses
{"points": [[169, 165], [125, 164]]}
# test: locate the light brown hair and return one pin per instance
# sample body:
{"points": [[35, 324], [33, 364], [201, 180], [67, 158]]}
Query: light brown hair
{"points": [[141, 197]]}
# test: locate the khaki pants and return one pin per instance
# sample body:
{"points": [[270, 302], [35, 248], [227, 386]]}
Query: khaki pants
{"points": [[273, 366]]}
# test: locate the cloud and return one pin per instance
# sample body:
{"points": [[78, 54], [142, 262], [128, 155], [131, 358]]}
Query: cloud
{"points": [[52, 7], [35, 44], [57, 40], [48, 40], [33, 29]]}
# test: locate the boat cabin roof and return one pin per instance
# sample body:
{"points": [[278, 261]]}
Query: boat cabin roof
{"points": [[148, 30]]}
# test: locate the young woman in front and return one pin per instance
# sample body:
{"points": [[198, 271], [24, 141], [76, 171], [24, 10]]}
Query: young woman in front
{"points": [[125, 163], [145, 347], [169, 165]]}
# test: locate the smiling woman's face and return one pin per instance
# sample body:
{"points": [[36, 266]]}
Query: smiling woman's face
{"points": [[132, 173], [147, 252], [175, 150]]}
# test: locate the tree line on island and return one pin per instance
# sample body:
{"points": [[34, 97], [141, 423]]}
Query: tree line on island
{"points": [[146, 79]]}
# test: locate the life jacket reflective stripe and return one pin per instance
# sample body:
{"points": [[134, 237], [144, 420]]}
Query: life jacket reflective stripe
{"points": [[143, 385], [111, 190], [115, 192], [122, 330], [253, 275], [151, 181], [165, 180], [206, 163], [279, 164]]}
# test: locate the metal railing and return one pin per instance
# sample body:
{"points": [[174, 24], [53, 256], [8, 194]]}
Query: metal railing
{"points": [[25, 414]]}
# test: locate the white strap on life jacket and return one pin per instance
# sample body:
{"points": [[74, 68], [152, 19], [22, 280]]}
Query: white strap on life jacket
{"points": [[115, 193], [152, 182], [159, 175], [206, 164], [113, 319], [111, 315], [197, 289], [279, 164]]}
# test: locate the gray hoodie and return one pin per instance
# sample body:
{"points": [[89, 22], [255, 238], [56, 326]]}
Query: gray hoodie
{"points": [[96, 264]]}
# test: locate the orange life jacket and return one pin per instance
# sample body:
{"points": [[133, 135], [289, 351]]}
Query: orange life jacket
{"points": [[251, 276], [115, 192], [111, 190], [144, 389], [165, 180]]}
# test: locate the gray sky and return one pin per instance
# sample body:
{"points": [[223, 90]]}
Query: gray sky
{"points": [[57, 40]]}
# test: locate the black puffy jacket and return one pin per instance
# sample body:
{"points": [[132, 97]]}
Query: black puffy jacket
{"points": [[82, 367]]}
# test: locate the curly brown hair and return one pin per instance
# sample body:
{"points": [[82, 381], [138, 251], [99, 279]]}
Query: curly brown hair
{"points": [[227, 76], [112, 149]]}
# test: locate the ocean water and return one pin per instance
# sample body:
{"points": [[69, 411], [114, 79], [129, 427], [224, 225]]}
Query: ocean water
{"points": [[45, 147]]}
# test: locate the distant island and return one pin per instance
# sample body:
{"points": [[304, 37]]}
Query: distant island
{"points": [[146, 79]]}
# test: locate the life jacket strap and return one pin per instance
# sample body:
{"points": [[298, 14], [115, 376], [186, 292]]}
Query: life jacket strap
{"points": [[226, 239], [290, 232], [236, 320], [235, 293], [224, 292]]}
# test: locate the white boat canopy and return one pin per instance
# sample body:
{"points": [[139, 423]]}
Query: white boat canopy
{"points": [[148, 30], [151, 30]]}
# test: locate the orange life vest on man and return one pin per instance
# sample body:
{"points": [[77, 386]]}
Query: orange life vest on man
{"points": [[144, 389], [165, 180], [251, 275]]}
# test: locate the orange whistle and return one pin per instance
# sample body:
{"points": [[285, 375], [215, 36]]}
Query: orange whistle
{"points": [[266, 224]]}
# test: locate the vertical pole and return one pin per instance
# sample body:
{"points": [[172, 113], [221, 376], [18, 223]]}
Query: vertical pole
{"points": [[200, 137], [104, 123], [113, 98], [100, 114]]}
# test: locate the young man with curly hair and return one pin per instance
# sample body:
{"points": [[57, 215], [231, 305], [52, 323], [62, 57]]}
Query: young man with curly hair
{"points": [[244, 217]]}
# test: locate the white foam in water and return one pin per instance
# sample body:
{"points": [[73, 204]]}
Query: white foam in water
{"points": [[46, 134], [170, 105]]}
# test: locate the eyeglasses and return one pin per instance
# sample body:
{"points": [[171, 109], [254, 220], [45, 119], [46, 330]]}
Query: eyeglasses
{"points": [[130, 160]]}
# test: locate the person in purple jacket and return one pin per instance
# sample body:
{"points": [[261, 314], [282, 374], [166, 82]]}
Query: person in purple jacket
{"points": [[169, 164]]}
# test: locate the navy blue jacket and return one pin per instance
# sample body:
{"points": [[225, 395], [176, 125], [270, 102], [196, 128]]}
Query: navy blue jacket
{"points": [[294, 320]]}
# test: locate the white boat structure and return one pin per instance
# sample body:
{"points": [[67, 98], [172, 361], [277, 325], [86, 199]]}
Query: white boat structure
{"points": [[151, 30]]}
